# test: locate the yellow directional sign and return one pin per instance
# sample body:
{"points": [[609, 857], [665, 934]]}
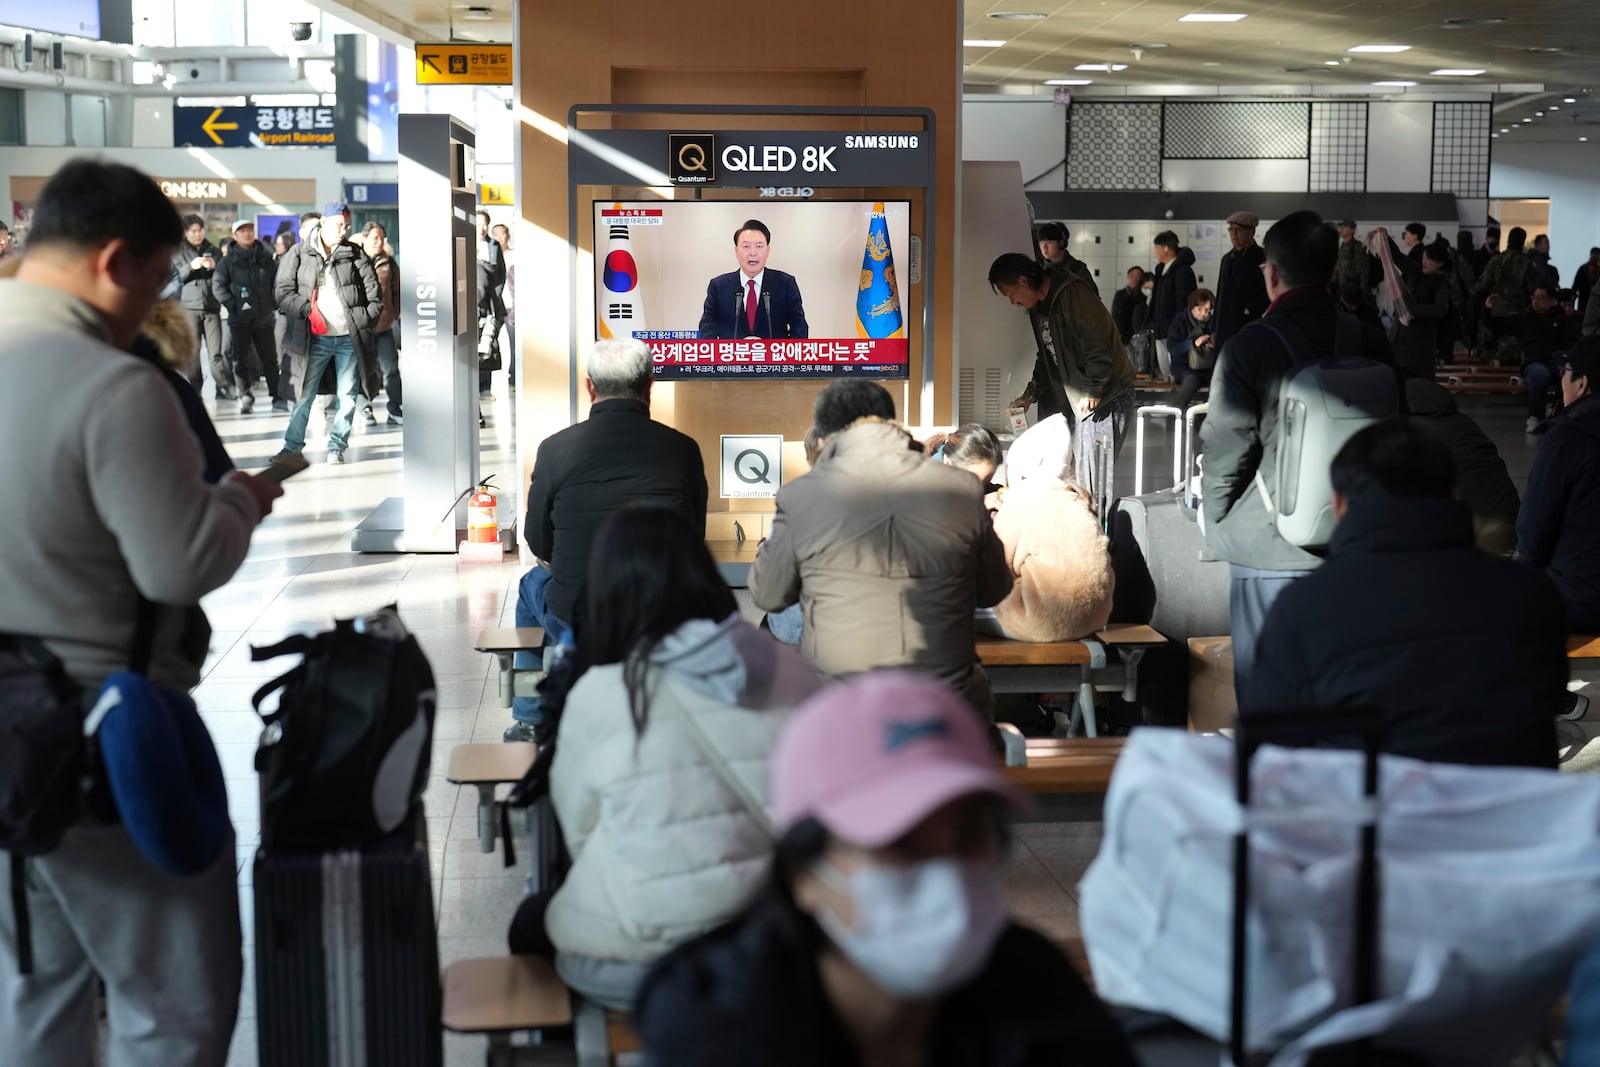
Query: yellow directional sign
{"points": [[211, 126], [463, 64], [497, 194]]}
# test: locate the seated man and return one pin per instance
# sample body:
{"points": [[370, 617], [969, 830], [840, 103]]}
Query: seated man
{"points": [[1464, 653], [888, 554], [1558, 529], [1546, 335], [618, 456]]}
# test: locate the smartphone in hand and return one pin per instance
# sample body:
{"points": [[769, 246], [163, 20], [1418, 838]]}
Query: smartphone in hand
{"points": [[279, 472]]}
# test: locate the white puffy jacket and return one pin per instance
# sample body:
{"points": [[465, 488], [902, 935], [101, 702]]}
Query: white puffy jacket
{"points": [[663, 849]]}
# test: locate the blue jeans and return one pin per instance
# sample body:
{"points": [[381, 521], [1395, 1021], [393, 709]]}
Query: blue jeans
{"points": [[1537, 378], [533, 610], [342, 352], [1251, 594]]}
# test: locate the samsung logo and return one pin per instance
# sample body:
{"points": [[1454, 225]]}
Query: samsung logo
{"points": [[881, 140]]}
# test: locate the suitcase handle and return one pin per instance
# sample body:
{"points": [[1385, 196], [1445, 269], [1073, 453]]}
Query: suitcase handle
{"points": [[1301, 726]]}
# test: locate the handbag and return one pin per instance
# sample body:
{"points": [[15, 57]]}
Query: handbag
{"points": [[319, 325]]}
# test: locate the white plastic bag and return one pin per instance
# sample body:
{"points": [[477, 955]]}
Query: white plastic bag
{"points": [[1489, 882]]}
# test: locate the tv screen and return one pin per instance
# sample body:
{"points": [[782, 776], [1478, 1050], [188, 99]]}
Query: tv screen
{"points": [[756, 289]]}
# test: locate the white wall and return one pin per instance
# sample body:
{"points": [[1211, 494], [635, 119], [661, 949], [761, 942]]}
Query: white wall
{"points": [[44, 118], [1255, 175], [1399, 147], [1564, 173], [1031, 132]]}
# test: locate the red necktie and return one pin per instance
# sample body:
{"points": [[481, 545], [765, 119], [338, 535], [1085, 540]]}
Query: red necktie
{"points": [[750, 305]]}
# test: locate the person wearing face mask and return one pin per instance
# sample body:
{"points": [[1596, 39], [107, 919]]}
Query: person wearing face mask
{"points": [[882, 938]]}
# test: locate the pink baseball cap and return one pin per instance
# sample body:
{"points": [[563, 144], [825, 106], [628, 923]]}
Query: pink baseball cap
{"points": [[871, 757]]}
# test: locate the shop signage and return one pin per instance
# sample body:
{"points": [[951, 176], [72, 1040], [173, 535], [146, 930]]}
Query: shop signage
{"points": [[784, 161], [752, 466], [503, 194]]}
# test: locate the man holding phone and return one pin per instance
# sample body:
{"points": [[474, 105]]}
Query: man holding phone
{"points": [[195, 262]]}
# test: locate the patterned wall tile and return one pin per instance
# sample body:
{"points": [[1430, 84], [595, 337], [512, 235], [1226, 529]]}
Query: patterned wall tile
{"points": [[1339, 148], [1236, 131], [1461, 148], [1115, 146]]}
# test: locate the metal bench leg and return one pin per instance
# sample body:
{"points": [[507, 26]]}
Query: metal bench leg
{"points": [[1085, 709], [591, 1038], [486, 820], [500, 1052], [507, 675]]}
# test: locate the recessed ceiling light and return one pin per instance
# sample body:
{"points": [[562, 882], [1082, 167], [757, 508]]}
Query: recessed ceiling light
{"points": [[1101, 66], [1454, 72], [1070, 81], [1018, 16], [1543, 51], [1330, 62], [1505, 129], [1494, 136], [1396, 85], [1583, 138], [1210, 16], [1464, 21], [1385, 48], [1538, 114], [1552, 107], [1210, 63], [982, 42], [1570, 100]]}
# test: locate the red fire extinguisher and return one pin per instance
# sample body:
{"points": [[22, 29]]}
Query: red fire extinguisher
{"points": [[483, 515]]}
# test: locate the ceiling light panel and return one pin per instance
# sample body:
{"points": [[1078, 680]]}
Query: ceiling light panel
{"points": [[1384, 49], [1454, 72], [1210, 16], [981, 42]]}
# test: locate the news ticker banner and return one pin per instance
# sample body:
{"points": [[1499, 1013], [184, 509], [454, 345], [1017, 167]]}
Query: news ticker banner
{"points": [[753, 159], [679, 358]]}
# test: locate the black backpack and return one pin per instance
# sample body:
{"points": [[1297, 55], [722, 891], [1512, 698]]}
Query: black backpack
{"points": [[344, 757]]}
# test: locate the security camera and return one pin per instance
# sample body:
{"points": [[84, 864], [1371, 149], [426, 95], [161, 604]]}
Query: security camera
{"points": [[300, 31]]}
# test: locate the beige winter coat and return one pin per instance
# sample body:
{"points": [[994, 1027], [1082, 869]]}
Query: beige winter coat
{"points": [[888, 555], [1061, 561]]}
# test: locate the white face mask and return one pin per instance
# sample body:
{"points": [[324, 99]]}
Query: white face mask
{"points": [[921, 930]]}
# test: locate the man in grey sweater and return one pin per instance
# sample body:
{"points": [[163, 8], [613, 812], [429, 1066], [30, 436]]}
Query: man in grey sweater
{"points": [[104, 502]]}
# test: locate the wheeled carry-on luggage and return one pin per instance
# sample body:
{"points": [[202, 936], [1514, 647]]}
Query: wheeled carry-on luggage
{"points": [[347, 956]]}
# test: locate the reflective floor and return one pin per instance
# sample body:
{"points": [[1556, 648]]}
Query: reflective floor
{"points": [[301, 574]]}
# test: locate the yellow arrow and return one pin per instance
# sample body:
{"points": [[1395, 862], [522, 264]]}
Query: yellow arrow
{"points": [[211, 126]]}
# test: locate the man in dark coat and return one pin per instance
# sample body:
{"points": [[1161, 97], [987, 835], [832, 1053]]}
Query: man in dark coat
{"points": [[1558, 530], [1241, 433], [1174, 282], [1482, 481], [243, 283], [195, 262], [616, 457], [1464, 654], [1241, 291], [332, 298]]}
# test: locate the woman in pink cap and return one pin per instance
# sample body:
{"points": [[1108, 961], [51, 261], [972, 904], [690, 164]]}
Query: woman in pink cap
{"points": [[883, 936]]}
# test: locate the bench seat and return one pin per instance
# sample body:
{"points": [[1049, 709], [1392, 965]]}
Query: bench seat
{"points": [[1076, 765], [502, 994], [486, 765], [1082, 667], [504, 644]]}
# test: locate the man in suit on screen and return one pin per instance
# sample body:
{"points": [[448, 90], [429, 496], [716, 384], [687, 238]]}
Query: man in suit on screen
{"points": [[753, 301]]}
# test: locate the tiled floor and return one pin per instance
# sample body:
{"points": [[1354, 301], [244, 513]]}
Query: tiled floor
{"points": [[301, 574]]}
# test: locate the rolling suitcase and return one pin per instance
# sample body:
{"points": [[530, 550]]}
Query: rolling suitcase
{"points": [[347, 956]]}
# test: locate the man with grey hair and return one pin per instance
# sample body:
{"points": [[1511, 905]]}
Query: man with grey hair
{"points": [[618, 456]]}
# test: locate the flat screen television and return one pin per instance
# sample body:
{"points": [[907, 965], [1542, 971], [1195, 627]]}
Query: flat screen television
{"points": [[829, 298]]}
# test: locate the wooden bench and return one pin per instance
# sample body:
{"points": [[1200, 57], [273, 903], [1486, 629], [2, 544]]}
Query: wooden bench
{"points": [[503, 645], [1076, 765], [1484, 388], [1083, 666], [501, 995], [486, 766]]}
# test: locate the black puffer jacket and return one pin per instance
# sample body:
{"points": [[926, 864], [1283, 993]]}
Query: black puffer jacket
{"points": [[299, 276], [1406, 596], [243, 284], [1558, 529], [196, 294], [1174, 282], [1482, 481], [748, 994]]}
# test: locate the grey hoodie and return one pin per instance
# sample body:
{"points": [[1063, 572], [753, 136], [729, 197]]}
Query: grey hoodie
{"points": [[733, 663]]}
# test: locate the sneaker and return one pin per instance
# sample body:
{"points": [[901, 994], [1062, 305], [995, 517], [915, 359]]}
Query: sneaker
{"points": [[1576, 708], [291, 459], [1532, 424], [397, 416], [335, 456], [280, 405], [368, 417], [247, 403], [227, 394], [519, 731]]}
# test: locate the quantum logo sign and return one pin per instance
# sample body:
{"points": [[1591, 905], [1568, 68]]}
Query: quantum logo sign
{"points": [[694, 158]]}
